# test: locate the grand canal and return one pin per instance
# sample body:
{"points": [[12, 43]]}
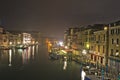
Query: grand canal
{"points": [[33, 64]]}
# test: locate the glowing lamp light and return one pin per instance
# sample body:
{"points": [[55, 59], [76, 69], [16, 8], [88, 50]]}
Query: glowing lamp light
{"points": [[84, 52], [105, 28], [18, 42], [117, 53], [88, 46], [66, 47], [10, 43], [61, 43]]}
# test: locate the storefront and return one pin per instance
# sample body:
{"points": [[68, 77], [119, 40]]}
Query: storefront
{"points": [[98, 59]]}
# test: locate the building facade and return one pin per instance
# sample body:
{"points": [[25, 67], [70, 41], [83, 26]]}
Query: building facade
{"points": [[114, 49]]}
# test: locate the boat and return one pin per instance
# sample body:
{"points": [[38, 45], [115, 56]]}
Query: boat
{"points": [[21, 47], [53, 56]]}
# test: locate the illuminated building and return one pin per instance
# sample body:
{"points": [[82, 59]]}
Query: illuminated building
{"points": [[114, 48]]}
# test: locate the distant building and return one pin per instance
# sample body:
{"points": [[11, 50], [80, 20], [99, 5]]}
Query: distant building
{"points": [[70, 37]]}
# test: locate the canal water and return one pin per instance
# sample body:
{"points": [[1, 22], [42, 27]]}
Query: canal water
{"points": [[33, 64]]}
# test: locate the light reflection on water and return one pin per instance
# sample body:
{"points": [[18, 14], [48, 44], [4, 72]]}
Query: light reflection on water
{"points": [[14, 57], [10, 58], [65, 65], [33, 64]]}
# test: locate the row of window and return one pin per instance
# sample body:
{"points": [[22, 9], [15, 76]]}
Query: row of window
{"points": [[114, 53], [115, 31], [115, 41]]}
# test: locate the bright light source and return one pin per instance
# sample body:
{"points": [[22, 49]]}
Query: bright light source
{"points": [[18, 42], [88, 46], [10, 43], [61, 43], [105, 28], [84, 52], [117, 53], [66, 47], [83, 74]]}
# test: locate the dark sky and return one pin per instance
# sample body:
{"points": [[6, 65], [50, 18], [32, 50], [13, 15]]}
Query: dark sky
{"points": [[54, 16]]}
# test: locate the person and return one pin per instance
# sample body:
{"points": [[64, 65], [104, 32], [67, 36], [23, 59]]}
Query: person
{"points": [[83, 74]]}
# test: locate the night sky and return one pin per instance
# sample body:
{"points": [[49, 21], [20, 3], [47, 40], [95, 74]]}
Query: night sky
{"points": [[53, 17]]}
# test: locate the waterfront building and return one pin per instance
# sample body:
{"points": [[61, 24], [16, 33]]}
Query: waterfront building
{"points": [[1, 38], [14, 39], [114, 49], [5, 39], [70, 37], [26, 38], [99, 48]]}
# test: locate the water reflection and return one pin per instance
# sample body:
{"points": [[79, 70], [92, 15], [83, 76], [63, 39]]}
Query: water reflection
{"points": [[33, 51], [10, 58], [65, 64], [36, 48], [27, 54], [17, 57]]}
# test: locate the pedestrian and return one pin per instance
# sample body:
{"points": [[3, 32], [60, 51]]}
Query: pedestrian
{"points": [[83, 74]]}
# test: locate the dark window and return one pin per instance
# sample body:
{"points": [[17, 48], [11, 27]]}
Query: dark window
{"points": [[112, 31], [103, 49], [117, 50], [98, 48], [112, 41], [101, 60], [117, 41], [118, 31], [104, 37], [99, 37], [111, 52]]}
